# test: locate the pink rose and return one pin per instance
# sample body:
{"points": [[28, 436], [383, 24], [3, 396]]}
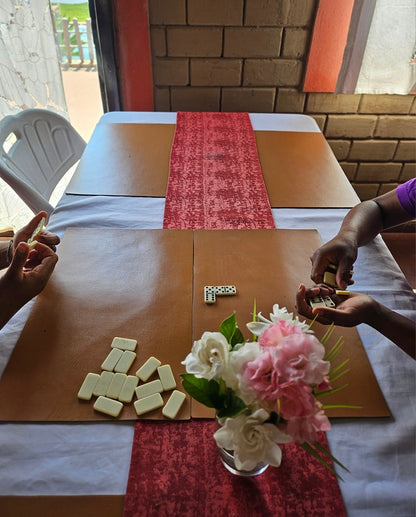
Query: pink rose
{"points": [[324, 386], [295, 400], [305, 429], [275, 332], [300, 358], [261, 375]]}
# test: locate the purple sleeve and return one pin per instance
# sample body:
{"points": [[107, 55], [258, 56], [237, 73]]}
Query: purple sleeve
{"points": [[406, 194]]}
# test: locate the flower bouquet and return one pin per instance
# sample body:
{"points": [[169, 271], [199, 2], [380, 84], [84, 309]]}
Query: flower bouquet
{"points": [[266, 391]]}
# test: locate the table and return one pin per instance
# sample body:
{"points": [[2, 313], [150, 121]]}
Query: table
{"points": [[82, 458]]}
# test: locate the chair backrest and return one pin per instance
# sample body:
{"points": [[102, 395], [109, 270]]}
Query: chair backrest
{"points": [[45, 147]]}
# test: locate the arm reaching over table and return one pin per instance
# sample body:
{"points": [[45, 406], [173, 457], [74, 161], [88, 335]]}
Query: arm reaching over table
{"points": [[356, 308], [360, 226], [29, 269]]}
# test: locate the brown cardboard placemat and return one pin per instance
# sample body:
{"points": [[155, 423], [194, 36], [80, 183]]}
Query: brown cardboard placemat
{"points": [[299, 168], [138, 283], [129, 283], [125, 160], [64, 506], [268, 265]]}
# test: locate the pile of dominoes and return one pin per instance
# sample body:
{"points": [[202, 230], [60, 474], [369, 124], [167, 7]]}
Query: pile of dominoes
{"points": [[114, 387]]}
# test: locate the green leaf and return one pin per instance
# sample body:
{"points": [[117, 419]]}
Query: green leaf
{"points": [[316, 455], [335, 350], [336, 406], [338, 367], [327, 453], [332, 390], [232, 405], [202, 390], [213, 394], [230, 330], [228, 326], [328, 333], [253, 336], [334, 378], [236, 338]]}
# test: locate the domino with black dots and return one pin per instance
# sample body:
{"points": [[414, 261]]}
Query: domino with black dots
{"points": [[209, 294], [225, 290], [317, 301], [321, 301], [329, 302]]}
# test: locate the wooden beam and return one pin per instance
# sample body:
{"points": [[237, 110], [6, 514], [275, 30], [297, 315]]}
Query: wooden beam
{"points": [[134, 56], [328, 43]]}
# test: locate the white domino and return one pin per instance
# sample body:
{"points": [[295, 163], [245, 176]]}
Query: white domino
{"points": [[174, 404], [36, 232], [148, 368], [116, 384], [209, 294], [317, 301], [87, 387], [108, 406], [125, 361], [329, 302], [124, 343], [329, 279], [103, 384], [127, 390], [111, 360], [225, 290], [149, 388], [147, 404], [166, 377]]}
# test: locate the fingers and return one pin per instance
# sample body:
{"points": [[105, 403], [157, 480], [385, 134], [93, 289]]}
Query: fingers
{"points": [[343, 274], [319, 264], [35, 221], [301, 304], [20, 257], [325, 315], [48, 238]]}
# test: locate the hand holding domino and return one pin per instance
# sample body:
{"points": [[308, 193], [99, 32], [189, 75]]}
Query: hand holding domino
{"points": [[35, 231], [331, 274]]}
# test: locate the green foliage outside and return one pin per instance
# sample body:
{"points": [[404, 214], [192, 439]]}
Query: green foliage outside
{"points": [[70, 11]]}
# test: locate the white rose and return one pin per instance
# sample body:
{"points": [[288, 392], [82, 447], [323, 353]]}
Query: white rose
{"points": [[233, 377], [209, 356], [252, 440]]}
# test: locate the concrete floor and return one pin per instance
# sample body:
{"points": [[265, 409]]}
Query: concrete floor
{"points": [[83, 97]]}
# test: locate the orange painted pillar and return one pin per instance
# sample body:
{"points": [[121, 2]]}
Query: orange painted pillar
{"points": [[328, 44], [131, 23]]}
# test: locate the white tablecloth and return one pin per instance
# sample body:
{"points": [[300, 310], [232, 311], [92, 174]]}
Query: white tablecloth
{"points": [[93, 458]]}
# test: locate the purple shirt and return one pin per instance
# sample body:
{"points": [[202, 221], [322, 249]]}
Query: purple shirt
{"points": [[406, 194]]}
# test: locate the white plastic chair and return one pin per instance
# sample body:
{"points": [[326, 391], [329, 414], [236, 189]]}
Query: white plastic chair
{"points": [[45, 148]]}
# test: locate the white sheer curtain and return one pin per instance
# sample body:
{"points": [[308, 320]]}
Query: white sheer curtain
{"points": [[391, 44], [30, 77]]}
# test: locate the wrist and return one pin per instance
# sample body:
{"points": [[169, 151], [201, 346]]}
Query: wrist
{"points": [[350, 237], [374, 313]]}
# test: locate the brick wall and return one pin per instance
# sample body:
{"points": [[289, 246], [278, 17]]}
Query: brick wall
{"points": [[250, 55]]}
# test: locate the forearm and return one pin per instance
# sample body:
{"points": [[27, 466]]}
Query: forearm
{"points": [[362, 224], [9, 305], [395, 327]]}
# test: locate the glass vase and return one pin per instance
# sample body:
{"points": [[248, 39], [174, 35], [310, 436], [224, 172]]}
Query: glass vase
{"points": [[227, 458]]}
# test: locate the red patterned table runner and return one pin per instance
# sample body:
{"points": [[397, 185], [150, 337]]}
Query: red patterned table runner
{"points": [[215, 178], [175, 468]]}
